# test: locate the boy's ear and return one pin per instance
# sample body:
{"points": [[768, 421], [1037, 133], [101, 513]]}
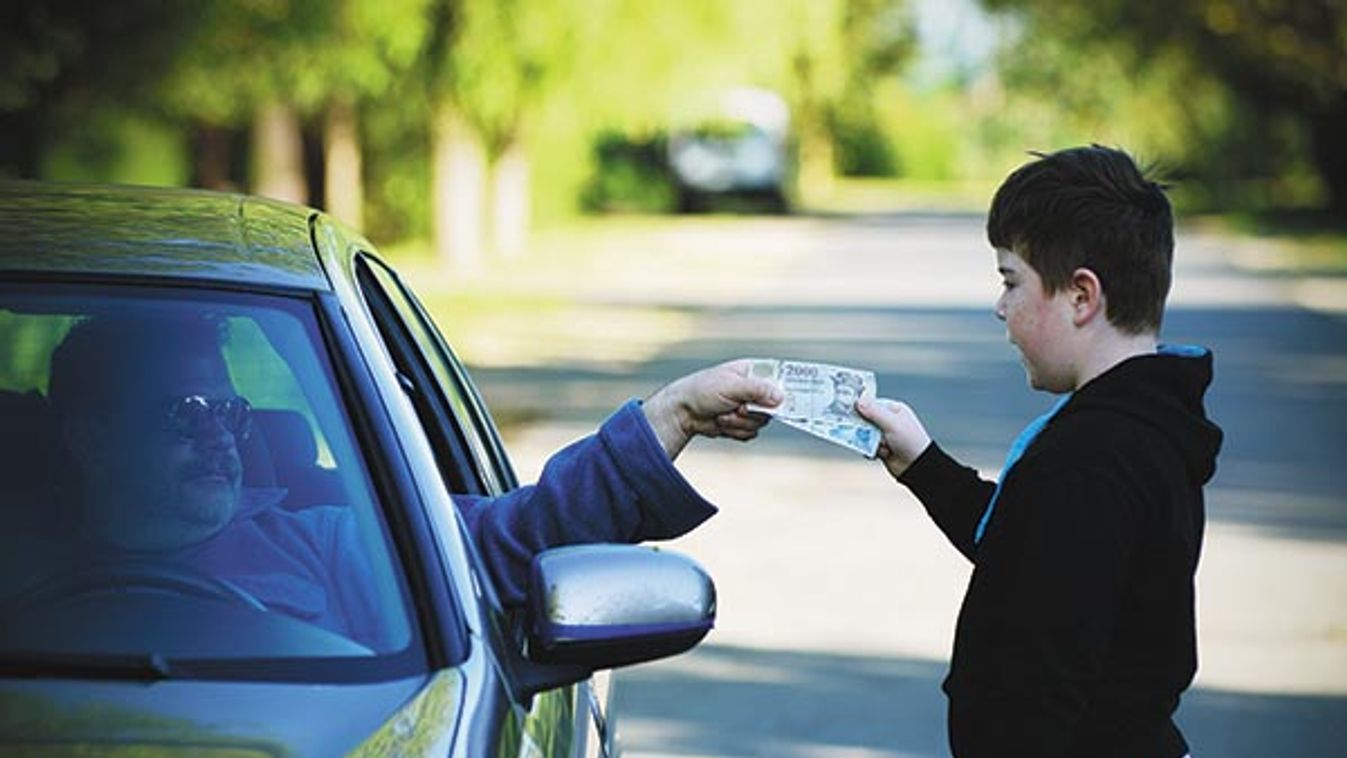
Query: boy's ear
{"points": [[1087, 296]]}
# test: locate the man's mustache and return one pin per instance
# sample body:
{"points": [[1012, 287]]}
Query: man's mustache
{"points": [[228, 466]]}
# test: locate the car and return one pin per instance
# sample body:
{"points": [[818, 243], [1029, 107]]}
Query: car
{"points": [[352, 411], [735, 149]]}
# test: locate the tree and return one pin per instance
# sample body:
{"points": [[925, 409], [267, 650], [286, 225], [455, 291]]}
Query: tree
{"points": [[507, 55], [457, 158], [1287, 56], [244, 63], [60, 61], [278, 63], [370, 44], [881, 38]]}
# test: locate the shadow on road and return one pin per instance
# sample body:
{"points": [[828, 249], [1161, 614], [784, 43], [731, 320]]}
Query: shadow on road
{"points": [[734, 701]]}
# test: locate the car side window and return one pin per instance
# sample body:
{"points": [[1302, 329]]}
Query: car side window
{"points": [[440, 390]]}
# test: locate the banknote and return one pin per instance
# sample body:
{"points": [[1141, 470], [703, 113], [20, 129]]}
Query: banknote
{"points": [[862, 436], [821, 399]]}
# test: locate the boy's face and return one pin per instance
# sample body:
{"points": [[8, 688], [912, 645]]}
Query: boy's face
{"points": [[1039, 325]]}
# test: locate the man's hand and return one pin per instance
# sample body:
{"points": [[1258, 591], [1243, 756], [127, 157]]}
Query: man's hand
{"points": [[712, 402], [904, 437]]}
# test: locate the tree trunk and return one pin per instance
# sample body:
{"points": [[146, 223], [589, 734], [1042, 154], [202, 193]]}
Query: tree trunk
{"points": [[213, 158], [341, 155], [1329, 150], [459, 176], [278, 154], [814, 141], [511, 201], [23, 145], [816, 174]]}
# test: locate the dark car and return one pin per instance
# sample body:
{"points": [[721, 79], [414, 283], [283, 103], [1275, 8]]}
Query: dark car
{"points": [[350, 415]]}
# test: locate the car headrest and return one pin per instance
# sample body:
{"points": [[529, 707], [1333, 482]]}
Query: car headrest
{"points": [[289, 437], [27, 446]]}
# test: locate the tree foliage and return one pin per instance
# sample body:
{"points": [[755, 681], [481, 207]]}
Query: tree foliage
{"points": [[1273, 57], [243, 53], [881, 40], [61, 60], [505, 55]]}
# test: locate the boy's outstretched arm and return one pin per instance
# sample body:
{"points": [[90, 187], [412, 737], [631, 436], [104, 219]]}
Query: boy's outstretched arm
{"points": [[953, 494], [905, 439]]}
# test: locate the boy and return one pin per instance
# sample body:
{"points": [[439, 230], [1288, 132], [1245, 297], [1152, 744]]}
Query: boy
{"points": [[1076, 635]]}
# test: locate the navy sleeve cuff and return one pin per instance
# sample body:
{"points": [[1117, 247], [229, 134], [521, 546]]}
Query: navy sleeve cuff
{"points": [[953, 495], [933, 468], [669, 505]]}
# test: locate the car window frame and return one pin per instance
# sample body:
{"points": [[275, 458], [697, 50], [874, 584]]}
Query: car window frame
{"points": [[445, 379], [503, 632]]}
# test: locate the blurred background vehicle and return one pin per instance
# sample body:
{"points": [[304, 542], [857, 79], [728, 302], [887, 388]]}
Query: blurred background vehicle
{"points": [[737, 150]]}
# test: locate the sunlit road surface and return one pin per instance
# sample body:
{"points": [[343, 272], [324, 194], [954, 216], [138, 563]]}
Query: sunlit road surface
{"points": [[837, 597]]}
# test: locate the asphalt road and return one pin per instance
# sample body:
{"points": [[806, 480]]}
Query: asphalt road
{"points": [[837, 596]]}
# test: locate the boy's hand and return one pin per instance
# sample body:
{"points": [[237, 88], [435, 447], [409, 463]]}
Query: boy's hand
{"points": [[711, 402], [905, 439]]}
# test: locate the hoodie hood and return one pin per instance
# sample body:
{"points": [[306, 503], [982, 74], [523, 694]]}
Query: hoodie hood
{"points": [[1165, 390]]}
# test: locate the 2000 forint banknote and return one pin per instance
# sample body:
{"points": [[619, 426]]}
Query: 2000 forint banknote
{"points": [[821, 399]]}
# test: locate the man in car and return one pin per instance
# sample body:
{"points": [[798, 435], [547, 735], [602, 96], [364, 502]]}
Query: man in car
{"points": [[152, 425]]}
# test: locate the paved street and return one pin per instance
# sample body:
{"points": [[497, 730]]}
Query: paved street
{"points": [[837, 596]]}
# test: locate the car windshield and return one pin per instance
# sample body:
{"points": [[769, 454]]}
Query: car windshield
{"points": [[181, 481]]}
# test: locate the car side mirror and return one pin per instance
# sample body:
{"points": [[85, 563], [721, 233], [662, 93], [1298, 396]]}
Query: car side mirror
{"points": [[602, 606]]}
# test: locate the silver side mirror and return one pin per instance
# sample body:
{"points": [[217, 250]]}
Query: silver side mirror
{"points": [[602, 606]]}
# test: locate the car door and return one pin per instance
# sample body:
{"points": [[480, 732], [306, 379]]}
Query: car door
{"points": [[568, 721]]}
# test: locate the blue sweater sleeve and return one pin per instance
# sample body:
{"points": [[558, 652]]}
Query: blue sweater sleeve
{"points": [[616, 485]]}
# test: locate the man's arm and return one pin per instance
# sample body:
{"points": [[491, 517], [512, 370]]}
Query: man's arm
{"points": [[619, 484], [710, 403]]}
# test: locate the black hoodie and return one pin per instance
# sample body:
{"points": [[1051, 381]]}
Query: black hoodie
{"points": [[1077, 632]]}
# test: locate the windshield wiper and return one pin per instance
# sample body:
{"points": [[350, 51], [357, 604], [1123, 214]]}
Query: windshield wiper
{"points": [[150, 667]]}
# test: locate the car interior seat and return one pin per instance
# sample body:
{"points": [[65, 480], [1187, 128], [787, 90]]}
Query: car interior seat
{"points": [[27, 449], [294, 459]]}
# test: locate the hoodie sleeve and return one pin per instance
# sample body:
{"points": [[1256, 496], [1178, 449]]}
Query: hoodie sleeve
{"points": [[953, 495], [616, 485]]}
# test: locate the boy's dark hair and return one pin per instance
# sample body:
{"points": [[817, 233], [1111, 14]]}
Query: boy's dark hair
{"points": [[1091, 207]]}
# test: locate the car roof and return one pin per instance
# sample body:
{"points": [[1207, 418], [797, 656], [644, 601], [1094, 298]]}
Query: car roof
{"points": [[157, 232]]}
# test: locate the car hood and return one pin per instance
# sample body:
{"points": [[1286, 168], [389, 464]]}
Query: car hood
{"points": [[411, 717]]}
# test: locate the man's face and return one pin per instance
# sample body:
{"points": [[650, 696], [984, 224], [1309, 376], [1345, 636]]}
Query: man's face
{"points": [[1037, 324], [159, 483]]}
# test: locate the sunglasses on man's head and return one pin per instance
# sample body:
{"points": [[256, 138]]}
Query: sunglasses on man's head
{"points": [[191, 416]]}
